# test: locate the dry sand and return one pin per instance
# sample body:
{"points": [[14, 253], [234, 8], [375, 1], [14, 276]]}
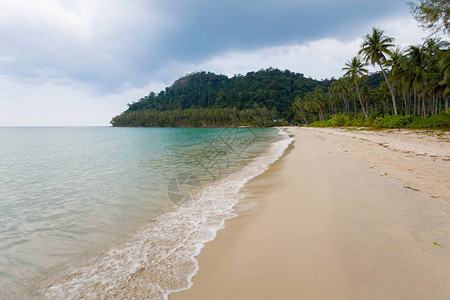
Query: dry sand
{"points": [[343, 215]]}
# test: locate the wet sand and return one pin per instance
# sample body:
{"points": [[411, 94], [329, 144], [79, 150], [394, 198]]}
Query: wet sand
{"points": [[337, 217]]}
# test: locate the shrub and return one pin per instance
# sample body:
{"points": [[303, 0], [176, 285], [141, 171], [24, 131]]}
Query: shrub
{"points": [[325, 123], [436, 121], [340, 120], [394, 121], [360, 122]]}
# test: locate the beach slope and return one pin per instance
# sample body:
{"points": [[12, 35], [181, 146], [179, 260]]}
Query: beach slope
{"points": [[325, 222]]}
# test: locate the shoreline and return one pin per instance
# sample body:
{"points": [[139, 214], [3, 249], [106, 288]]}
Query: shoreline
{"points": [[325, 223], [160, 258]]}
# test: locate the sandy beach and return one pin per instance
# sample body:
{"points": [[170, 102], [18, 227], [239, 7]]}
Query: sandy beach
{"points": [[342, 215]]}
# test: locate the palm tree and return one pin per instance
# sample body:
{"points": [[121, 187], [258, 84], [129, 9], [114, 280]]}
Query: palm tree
{"points": [[433, 48], [314, 102], [334, 95], [383, 95], [356, 71], [417, 72], [397, 63], [299, 107], [344, 88], [374, 50], [397, 59], [319, 99], [444, 65], [366, 94]]}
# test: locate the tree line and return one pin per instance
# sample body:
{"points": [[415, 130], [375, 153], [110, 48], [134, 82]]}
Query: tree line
{"points": [[198, 117]]}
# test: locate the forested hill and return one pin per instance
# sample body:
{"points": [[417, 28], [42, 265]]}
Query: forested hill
{"points": [[269, 92], [208, 99]]}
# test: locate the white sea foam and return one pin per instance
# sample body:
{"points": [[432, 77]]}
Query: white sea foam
{"points": [[160, 258]]}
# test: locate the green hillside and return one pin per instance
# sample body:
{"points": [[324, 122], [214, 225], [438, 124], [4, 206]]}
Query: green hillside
{"points": [[199, 99]]}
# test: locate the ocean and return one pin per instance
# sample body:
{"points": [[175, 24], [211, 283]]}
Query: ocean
{"points": [[102, 212]]}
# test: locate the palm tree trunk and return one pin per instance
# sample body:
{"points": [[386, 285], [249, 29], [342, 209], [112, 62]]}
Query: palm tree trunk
{"points": [[347, 106], [404, 101], [423, 107], [360, 100], [303, 116], [415, 101], [390, 89], [435, 105], [367, 105]]}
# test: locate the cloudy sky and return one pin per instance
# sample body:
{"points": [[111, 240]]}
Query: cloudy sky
{"points": [[79, 62]]}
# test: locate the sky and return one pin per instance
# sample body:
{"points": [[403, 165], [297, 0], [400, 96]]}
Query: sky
{"points": [[79, 62]]}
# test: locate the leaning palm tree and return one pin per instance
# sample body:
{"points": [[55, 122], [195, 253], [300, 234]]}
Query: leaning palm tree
{"points": [[299, 107], [356, 71], [374, 50]]}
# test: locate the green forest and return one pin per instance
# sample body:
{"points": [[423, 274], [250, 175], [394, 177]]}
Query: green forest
{"points": [[207, 99], [411, 89]]}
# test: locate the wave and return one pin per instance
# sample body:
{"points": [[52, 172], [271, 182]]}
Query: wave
{"points": [[160, 258]]}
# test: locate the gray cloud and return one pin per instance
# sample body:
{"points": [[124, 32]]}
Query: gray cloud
{"points": [[108, 44]]}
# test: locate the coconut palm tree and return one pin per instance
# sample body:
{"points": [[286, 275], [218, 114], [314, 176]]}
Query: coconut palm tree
{"points": [[397, 63], [417, 72], [444, 65], [397, 59], [356, 71], [434, 47], [344, 90], [319, 101], [334, 95], [314, 102], [366, 94], [299, 107], [383, 96], [374, 50]]}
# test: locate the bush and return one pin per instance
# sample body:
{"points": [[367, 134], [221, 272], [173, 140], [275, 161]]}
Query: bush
{"points": [[436, 121], [394, 121], [360, 122], [325, 123], [340, 120]]}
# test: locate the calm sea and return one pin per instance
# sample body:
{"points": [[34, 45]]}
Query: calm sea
{"points": [[118, 212]]}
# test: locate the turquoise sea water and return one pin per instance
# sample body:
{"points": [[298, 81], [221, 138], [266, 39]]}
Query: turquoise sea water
{"points": [[76, 200]]}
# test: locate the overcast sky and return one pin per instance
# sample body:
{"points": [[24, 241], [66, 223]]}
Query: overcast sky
{"points": [[69, 62]]}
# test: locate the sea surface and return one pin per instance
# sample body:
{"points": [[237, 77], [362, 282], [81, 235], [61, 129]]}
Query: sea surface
{"points": [[96, 212]]}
